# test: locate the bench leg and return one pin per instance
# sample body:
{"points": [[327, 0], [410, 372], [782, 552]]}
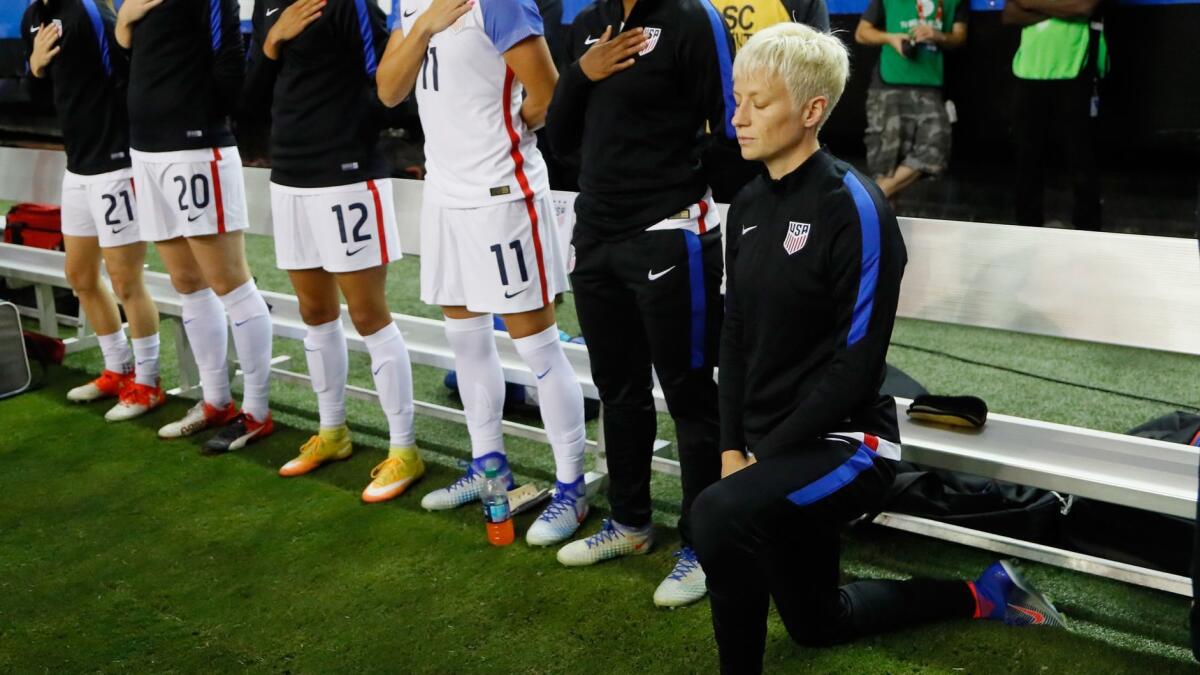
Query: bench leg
{"points": [[47, 312]]}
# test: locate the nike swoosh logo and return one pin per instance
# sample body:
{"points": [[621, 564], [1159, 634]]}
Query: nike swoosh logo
{"points": [[34, 29], [545, 373], [652, 275], [239, 323], [591, 40], [409, 13], [360, 248], [272, 11], [513, 295], [186, 322], [376, 371], [747, 229], [198, 217], [116, 231]]}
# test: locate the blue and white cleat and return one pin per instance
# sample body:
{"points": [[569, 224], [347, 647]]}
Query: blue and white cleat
{"points": [[685, 584], [1003, 594], [562, 517], [610, 542], [467, 488]]}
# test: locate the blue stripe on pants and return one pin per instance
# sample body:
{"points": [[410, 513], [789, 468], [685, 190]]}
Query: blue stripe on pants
{"points": [[696, 286], [835, 480]]}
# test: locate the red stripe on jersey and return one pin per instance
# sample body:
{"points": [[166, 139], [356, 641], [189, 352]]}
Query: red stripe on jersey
{"points": [[216, 178], [523, 181], [383, 249], [703, 212], [871, 442]]}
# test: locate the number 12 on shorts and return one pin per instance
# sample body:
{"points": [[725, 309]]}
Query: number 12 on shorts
{"points": [[356, 231]]}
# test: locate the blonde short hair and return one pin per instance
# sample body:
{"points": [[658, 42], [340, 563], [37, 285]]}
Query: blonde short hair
{"points": [[809, 62]]}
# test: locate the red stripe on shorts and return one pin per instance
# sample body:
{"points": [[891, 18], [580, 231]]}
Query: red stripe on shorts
{"points": [[216, 178], [703, 212], [383, 249]]}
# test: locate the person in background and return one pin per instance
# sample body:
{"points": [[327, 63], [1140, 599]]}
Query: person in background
{"points": [[1058, 65], [809, 442], [335, 223], [488, 228], [908, 131], [186, 71], [69, 47], [646, 79]]}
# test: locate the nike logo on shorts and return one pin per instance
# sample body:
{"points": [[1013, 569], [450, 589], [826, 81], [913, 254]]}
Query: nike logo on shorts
{"points": [[198, 217], [590, 40], [239, 323], [360, 248], [272, 11], [544, 374], [747, 229], [513, 295], [116, 231], [652, 275]]}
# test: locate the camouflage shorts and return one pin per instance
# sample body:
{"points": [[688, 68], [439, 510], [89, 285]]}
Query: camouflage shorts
{"points": [[906, 125]]}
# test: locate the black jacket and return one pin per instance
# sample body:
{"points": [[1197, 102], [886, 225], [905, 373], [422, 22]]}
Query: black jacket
{"points": [[640, 131], [87, 79], [185, 75], [325, 113], [806, 332]]}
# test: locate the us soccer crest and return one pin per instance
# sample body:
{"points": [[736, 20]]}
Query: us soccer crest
{"points": [[797, 237], [652, 35]]}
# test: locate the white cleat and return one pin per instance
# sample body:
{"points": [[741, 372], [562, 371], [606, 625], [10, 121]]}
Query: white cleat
{"points": [[610, 542], [108, 385], [561, 518], [200, 417], [467, 488], [685, 584], [136, 400]]}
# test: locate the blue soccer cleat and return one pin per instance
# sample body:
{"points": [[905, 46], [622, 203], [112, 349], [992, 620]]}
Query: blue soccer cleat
{"points": [[1002, 594]]}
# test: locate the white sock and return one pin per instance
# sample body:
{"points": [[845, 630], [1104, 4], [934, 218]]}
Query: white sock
{"points": [[560, 399], [204, 323], [145, 356], [328, 366], [480, 381], [393, 381], [115, 347], [252, 332]]}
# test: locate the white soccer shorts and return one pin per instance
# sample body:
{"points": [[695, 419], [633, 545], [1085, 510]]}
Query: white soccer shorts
{"points": [[345, 228], [190, 193], [102, 206]]}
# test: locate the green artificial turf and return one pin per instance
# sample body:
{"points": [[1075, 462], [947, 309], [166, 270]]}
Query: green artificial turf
{"points": [[121, 552]]}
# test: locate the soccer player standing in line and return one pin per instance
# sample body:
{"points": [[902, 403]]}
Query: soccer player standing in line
{"points": [[68, 44], [646, 76], [813, 238], [483, 77], [185, 76], [335, 223]]}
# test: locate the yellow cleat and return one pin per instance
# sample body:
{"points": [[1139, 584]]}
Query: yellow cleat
{"points": [[391, 478], [330, 445]]}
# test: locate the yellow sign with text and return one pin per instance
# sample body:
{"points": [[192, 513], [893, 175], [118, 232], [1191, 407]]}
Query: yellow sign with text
{"points": [[747, 17]]}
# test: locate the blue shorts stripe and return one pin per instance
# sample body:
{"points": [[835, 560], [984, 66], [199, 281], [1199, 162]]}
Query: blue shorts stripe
{"points": [[724, 63], [368, 37], [868, 219], [214, 23], [101, 38], [835, 480], [696, 286]]}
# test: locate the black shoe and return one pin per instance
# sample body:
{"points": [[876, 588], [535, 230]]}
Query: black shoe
{"points": [[244, 429]]}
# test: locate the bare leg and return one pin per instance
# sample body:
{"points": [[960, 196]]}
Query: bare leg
{"points": [[124, 264], [83, 273]]}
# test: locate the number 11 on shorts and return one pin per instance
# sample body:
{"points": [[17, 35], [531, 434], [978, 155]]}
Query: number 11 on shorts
{"points": [[515, 245]]}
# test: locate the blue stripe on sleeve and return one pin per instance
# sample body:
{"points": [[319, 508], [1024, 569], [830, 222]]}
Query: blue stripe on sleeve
{"points": [[94, 16], [368, 37], [724, 62], [696, 287], [214, 23], [868, 219], [835, 480], [508, 22]]}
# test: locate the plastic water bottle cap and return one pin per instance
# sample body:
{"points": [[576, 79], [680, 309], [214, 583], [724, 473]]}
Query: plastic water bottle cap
{"points": [[491, 472]]}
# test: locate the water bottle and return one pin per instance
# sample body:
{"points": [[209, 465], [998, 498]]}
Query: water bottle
{"points": [[496, 511]]}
